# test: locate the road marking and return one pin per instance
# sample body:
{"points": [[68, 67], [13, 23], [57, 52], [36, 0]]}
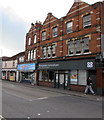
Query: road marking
{"points": [[38, 99], [1, 117], [42, 98], [48, 111]]}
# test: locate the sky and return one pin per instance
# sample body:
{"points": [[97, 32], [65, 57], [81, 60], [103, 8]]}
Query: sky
{"points": [[16, 17]]}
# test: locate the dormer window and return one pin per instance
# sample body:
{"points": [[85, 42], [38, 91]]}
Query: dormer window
{"points": [[43, 35], [69, 27], [87, 20], [55, 31]]}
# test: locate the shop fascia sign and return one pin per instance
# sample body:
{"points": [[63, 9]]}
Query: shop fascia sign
{"points": [[30, 66], [48, 65]]}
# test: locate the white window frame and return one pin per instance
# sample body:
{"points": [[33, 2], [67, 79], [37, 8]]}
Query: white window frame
{"points": [[86, 45], [29, 41], [28, 55], [43, 35], [69, 27], [78, 47], [13, 63], [55, 31], [21, 59], [70, 48], [49, 52], [86, 20], [35, 38], [53, 49], [34, 54], [44, 52]]}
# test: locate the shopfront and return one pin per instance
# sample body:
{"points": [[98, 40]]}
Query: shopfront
{"points": [[68, 74], [9, 74], [26, 73]]}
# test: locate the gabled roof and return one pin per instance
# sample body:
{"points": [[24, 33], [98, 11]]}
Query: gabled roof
{"points": [[77, 3], [4, 58], [49, 19], [14, 57]]}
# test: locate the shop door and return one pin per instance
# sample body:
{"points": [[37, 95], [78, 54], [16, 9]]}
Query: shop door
{"points": [[61, 81]]}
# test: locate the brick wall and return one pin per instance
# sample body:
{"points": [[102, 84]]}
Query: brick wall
{"points": [[75, 14]]}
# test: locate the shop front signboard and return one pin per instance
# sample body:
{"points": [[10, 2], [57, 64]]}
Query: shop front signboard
{"points": [[75, 64], [24, 67]]}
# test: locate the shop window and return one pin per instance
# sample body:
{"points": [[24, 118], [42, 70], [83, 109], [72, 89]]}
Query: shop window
{"points": [[69, 26], [29, 41], [55, 32], [57, 75], [43, 35], [78, 77], [34, 38], [71, 47], [74, 77], [87, 20], [51, 76], [47, 76], [86, 45], [82, 77], [78, 47], [40, 75], [4, 73], [11, 73]]}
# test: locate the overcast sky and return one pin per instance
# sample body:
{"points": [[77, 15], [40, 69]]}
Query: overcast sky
{"points": [[16, 17]]}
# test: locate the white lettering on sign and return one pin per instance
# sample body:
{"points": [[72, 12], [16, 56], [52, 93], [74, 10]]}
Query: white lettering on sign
{"points": [[90, 65]]}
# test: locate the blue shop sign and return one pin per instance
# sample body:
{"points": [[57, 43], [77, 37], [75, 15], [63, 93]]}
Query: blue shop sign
{"points": [[31, 66]]}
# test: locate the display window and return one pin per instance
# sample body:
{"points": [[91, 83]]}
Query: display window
{"points": [[78, 77], [74, 77], [46, 76]]}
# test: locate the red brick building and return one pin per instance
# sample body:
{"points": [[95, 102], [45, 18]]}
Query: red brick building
{"points": [[67, 50]]}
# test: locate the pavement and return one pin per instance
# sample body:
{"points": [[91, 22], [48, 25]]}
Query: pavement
{"points": [[66, 91]]}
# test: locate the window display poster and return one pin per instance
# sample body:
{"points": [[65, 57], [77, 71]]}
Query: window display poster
{"points": [[74, 77]]}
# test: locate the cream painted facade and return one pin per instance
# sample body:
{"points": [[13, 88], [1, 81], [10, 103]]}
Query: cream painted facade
{"points": [[9, 70]]}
